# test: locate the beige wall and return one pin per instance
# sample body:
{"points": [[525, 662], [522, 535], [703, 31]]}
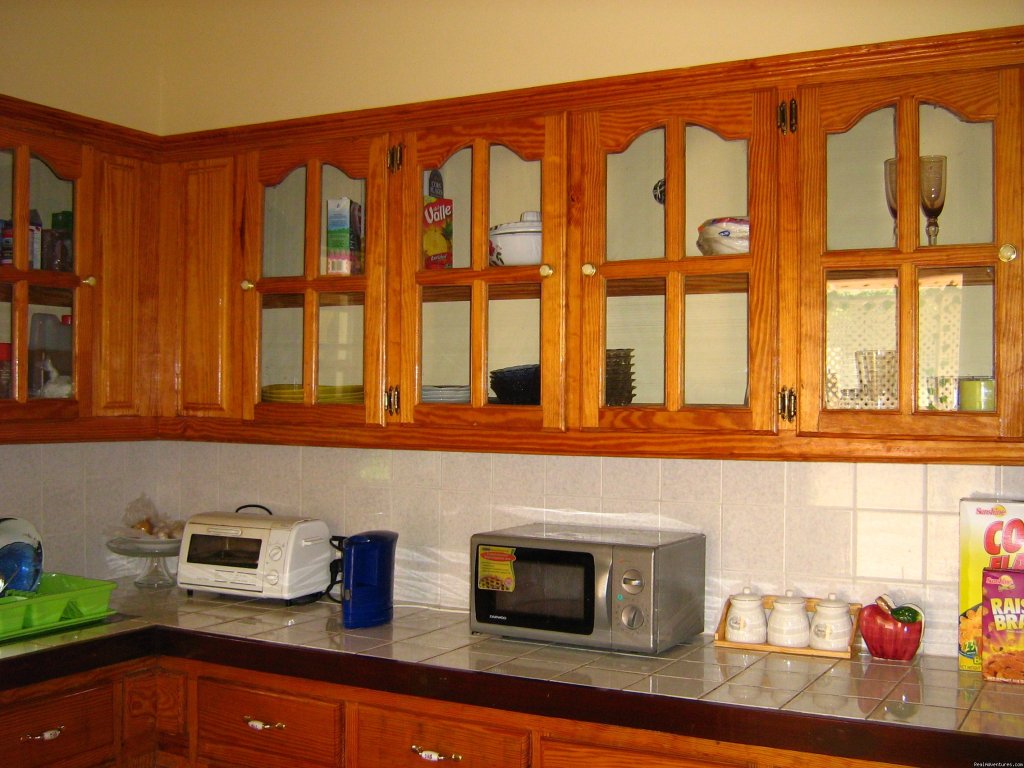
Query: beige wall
{"points": [[170, 66]]}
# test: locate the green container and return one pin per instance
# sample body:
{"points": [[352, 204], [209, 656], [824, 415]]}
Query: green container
{"points": [[63, 598], [12, 614]]}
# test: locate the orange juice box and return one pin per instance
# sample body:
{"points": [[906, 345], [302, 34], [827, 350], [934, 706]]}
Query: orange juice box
{"points": [[1002, 625], [344, 237], [437, 232], [991, 536]]}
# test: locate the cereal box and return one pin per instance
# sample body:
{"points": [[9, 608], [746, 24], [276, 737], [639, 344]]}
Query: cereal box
{"points": [[991, 536], [1002, 612], [344, 237]]}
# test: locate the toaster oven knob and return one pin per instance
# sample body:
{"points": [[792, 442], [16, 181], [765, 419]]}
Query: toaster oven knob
{"points": [[632, 617], [633, 581], [275, 553], [272, 577]]}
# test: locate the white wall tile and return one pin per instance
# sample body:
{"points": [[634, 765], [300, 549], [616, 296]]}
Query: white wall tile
{"points": [[623, 478], [947, 484], [691, 481], [819, 484], [517, 475], [753, 538], [466, 472], [572, 476], [890, 545], [943, 548], [890, 486], [819, 542], [753, 482]]}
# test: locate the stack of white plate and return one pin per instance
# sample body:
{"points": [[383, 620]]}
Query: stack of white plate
{"points": [[445, 393]]}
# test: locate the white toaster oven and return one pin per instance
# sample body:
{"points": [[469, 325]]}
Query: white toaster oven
{"points": [[273, 556]]}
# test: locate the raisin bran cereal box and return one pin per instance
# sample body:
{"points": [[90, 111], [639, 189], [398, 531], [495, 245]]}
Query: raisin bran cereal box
{"points": [[991, 536], [1002, 625]]}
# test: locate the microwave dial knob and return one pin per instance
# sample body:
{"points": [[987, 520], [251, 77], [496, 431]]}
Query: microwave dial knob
{"points": [[633, 581], [632, 617], [272, 577], [275, 553]]}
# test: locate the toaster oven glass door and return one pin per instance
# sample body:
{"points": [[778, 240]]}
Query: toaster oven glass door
{"points": [[545, 589], [224, 551]]}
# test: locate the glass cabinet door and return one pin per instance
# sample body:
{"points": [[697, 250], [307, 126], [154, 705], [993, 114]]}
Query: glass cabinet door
{"points": [[911, 224], [676, 306], [485, 265], [38, 287], [320, 285]]}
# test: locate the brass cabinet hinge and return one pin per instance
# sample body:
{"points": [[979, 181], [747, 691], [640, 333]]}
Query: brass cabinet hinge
{"points": [[395, 157], [785, 117], [787, 404]]}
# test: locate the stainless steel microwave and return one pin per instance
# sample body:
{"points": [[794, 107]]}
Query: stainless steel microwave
{"points": [[624, 590]]}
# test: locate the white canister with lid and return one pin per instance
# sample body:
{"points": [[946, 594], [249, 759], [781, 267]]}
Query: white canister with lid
{"points": [[746, 622], [788, 625], [831, 627]]}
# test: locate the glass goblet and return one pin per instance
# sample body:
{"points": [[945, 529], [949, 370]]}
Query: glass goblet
{"points": [[933, 192], [890, 196]]}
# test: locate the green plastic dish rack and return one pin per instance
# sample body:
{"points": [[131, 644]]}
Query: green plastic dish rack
{"points": [[60, 600]]}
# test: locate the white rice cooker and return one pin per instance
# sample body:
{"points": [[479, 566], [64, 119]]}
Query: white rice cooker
{"points": [[21, 555], [518, 242]]}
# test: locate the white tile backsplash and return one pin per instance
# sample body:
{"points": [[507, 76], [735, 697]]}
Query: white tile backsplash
{"points": [[853, 529]]}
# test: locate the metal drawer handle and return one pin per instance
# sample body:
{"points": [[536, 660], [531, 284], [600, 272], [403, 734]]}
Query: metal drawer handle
{"points": [[49, 735], [259, 725], [434, 757]]}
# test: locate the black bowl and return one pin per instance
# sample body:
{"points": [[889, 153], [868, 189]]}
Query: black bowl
{"points": [[517, 385]]}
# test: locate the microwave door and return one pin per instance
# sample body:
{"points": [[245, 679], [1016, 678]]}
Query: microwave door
{"points": [[224, 551]]}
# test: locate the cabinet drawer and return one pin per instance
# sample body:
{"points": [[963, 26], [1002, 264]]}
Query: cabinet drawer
{"points": [[261, 728], [70, 731], [558, 754], [386, 740]]}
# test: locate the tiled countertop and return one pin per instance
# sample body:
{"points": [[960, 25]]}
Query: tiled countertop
{"points": [[929, 692]]}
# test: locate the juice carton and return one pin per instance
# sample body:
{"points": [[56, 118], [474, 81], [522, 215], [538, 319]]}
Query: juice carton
{"points": [[991, 536], [1002, 611], [437, 232], [344, 237]]}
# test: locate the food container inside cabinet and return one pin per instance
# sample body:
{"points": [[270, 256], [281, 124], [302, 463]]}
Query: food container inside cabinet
{"points": [[723, 236], [518, 242]]}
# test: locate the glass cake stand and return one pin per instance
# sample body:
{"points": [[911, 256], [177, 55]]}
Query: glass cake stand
{"points": [[156, 551]]}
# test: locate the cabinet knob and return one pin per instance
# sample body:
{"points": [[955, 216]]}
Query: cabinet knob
{"points": [[546, 270], [49, 735], [259, 725], [589, 269], [1007, 252], [90, 281], [434, 757], [247, 285]]}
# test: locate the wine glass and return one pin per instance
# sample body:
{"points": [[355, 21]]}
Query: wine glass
{"points": [[890, 196], [933, 192]]}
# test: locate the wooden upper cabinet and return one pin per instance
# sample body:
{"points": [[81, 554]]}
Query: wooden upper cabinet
{"points": [[206, 205], [45, 206], [672, 288], [482, 338], [911, 286], [318, 272]]}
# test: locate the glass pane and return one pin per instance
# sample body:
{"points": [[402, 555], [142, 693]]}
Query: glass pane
{"points": [[284, 226], [956, 339], [6, 368], [514, 201], [50, 342], [716, 213], [966, 215], [7, 206], [513, 344], [635, 227], [340, 349], [281, 347], [858, 215], [715, 351], [635, 341], [861, 360], [447, 212], [51, 219], [446, 340], [342, 230]]}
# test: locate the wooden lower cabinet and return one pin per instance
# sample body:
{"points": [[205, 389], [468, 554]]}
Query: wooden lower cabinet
{"points": [[250, 726], [393, 738]]}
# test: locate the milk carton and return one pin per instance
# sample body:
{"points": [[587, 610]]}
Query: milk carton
{"points": [[344, 237], [991, 536]]}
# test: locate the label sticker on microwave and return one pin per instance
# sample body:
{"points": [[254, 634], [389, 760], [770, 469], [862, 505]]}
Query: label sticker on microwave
{"points": [[494, 568]]}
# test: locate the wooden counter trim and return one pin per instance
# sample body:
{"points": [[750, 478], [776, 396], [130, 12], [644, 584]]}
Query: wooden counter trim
{"points": [[853, 739]]}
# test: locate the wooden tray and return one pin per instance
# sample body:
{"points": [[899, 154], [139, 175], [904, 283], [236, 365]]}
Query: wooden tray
{"points": [[810, 605]]}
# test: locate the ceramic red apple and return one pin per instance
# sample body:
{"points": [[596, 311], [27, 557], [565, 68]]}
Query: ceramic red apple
{"points": [[891, 632]]}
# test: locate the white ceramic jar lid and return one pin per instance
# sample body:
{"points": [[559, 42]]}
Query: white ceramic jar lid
{"points": [[745, 598], [529, 221]]}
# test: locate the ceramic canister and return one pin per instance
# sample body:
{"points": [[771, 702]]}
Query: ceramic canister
{"points": [[746, 622], [831, 626], [788, 625]]}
